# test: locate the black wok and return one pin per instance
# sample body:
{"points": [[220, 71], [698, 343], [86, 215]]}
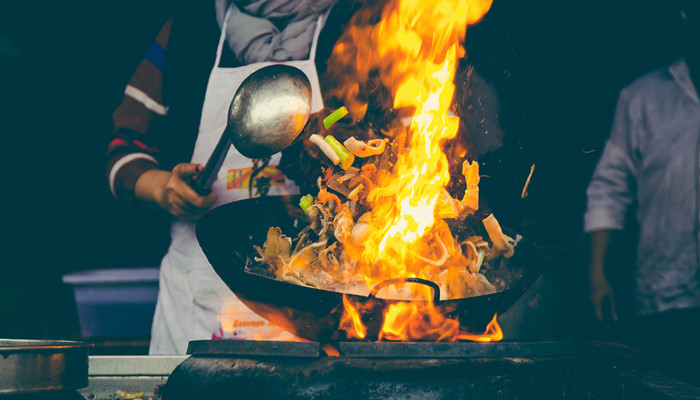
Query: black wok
{"points": [[227, 235]]}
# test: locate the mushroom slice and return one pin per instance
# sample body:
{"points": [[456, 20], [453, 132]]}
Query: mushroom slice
{"points": [[342, 225], [328, 259], [316, 217], [272, 244]]}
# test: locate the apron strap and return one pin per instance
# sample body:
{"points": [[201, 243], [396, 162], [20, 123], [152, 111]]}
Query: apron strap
{"points": [[222, 38], [317, 33]]}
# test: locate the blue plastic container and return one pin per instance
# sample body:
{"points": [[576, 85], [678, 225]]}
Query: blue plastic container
{"points": [[115, 303]]}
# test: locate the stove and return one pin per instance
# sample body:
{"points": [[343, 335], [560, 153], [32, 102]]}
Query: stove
{"points": [[385, 370]]}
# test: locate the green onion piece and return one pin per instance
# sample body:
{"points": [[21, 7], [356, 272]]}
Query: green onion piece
{"points": [[334, 117], [346, 157], [306, 202]]}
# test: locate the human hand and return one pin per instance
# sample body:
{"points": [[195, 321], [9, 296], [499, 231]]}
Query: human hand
{"points": [[172, 192], [602, 297]]}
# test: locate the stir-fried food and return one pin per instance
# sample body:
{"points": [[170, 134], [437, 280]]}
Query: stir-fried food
{"points": [[328, 252]]}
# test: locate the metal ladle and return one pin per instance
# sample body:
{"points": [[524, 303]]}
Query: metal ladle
{"points": [[268, 111]]}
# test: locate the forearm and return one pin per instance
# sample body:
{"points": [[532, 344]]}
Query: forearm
{"points": [[600, 244], [148, 189]]}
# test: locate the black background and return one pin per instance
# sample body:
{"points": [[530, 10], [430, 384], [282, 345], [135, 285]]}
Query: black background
{"points": [[558, 67]]}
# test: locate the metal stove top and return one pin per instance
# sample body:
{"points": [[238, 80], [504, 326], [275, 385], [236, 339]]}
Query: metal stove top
{"points": [[423, 350], [362, 370]]}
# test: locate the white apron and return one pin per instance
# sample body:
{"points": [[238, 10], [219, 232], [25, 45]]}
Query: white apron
{"points": [[193, 302]]}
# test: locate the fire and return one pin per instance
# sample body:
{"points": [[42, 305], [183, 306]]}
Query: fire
{"points": [[351, 321], [413, 51], [410, 321], [405, 321], [493, 333]]}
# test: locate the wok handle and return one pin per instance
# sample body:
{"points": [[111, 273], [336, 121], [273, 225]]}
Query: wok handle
{"points": [[379, 286]]}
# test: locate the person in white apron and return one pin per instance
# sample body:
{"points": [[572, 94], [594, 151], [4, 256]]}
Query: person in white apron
{"points": [[193, 302]]}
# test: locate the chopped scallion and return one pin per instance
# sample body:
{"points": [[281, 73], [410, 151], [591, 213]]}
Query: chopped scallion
{"points": [[334, 117]]}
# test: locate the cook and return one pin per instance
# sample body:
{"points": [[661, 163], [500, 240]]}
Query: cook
{"points": [[183, 86], [210, 51], [652, 157]]}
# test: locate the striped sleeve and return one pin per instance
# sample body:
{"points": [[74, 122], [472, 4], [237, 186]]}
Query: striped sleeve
{"points": [[131, 151]]}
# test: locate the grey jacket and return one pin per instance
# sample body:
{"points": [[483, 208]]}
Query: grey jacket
{"points": [[652, 156]]}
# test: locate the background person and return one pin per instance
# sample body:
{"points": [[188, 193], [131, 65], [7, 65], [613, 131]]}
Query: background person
{"points": [[652, 159]]}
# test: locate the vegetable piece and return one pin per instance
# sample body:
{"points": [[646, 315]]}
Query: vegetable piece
{"points": [[325, 148], [346, 157], [362, 149], [527, 182], [306, 202], [502, 244], [334, 117]]}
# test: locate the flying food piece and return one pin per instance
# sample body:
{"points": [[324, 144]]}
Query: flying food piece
{"points": [[346, 157], [334, 117], [502, 244], [325, 148], [470, 201], [527, 182], [306, 202], [362, 149]]}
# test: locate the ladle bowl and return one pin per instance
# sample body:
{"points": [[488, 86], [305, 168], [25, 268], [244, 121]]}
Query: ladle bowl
{"points": [[268, 111]]}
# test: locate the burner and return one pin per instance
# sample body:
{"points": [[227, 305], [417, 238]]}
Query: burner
{"points": [[255, 348], [503, 370]]}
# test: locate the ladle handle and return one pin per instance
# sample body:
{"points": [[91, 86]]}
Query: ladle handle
{"points": [[202, 184]]}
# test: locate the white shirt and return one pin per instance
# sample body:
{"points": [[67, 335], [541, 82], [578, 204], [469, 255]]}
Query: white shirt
{"points": [[652, 156]]}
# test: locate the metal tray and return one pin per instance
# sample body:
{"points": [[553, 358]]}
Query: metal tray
{"points": [[29, 366]]}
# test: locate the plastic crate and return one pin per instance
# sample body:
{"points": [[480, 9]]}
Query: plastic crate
{"points": [[115, 303]]}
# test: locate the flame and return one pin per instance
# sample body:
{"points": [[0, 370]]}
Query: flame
{"points": [[351, 321], [411, 321], [493, 333], [413, 50], [406, 321], [330, 350]]}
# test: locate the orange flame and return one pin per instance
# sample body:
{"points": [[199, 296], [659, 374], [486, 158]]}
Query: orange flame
{"points": [[410, 321], [423, 40], [414, 50], [493, 333], [405, 321], [351, 322]]}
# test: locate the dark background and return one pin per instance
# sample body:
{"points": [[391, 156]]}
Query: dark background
{"points": [[558, 67]]}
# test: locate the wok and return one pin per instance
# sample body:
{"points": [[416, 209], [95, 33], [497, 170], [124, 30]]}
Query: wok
{"points": [[227, 234]]}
